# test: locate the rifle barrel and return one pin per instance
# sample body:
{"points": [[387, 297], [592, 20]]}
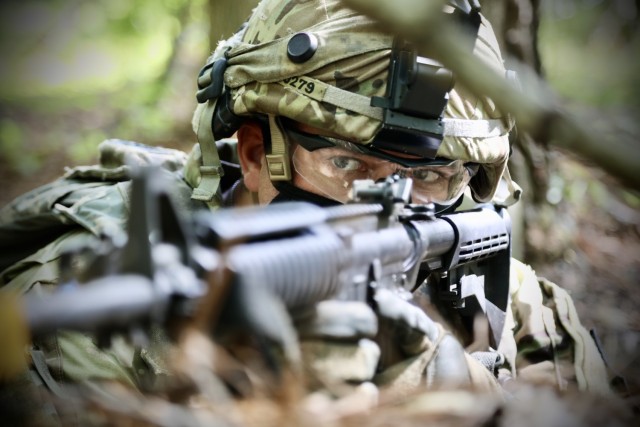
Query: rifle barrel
{"points": [[112, 301]]}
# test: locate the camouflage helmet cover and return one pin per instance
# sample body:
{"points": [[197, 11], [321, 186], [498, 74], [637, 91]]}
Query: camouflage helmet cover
{"points": [[353, 54]]}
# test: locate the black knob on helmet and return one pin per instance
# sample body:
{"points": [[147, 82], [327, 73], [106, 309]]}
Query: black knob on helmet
{"points": [[301, 47]]}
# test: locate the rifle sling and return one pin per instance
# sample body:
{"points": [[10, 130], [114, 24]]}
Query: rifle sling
{"points": [[40, 364]]}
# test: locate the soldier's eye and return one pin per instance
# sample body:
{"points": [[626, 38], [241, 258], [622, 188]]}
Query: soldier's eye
{"points": [[347, 164], [427, 176]]}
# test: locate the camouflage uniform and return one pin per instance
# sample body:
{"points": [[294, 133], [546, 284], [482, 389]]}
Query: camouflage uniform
{"points": [[86, 205]]}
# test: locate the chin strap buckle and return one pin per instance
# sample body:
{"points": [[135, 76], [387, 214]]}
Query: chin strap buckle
{"points": [[278, 161]]}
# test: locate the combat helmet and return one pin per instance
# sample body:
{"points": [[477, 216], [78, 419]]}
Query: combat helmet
{"points": [[323, 65]]}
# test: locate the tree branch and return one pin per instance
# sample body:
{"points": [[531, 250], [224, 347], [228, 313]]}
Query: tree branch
{"points": [[536, 108]]}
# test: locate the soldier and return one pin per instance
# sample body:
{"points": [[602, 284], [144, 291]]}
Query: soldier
{"points": [[319, 96], [325, 110]]}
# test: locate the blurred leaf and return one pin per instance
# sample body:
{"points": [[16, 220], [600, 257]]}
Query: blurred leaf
{"points": [[85, 150], [68, 48]]}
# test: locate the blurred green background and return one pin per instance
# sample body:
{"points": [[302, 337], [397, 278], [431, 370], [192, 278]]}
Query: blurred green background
{"points": [[590, 51], [75, 72]]}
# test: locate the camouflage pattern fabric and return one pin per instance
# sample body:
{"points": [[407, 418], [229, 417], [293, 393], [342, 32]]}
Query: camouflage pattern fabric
{"points": [[353, 56], [416, 374], [87, 204], [552, 345], [543, 343]]}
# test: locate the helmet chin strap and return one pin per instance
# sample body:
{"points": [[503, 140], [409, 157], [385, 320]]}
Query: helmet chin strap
{"points": [[278, 160], [279, 167], [288, 192]]}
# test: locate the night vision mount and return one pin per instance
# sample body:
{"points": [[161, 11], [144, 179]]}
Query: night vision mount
{"points": [[418, 92]]}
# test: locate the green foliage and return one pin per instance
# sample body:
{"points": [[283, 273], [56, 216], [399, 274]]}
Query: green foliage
{"points": [[84, 150], [590, 51], [13, 150], [75, 72], [67, 48]]}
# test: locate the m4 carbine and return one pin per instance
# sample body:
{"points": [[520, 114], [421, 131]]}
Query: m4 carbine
{"points": [[171, 268]]}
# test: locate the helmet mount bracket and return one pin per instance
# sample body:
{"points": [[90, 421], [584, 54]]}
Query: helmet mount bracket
{"points": [[417, 94]]}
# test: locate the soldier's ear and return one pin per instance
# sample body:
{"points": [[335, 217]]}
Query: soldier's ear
{"points": [[251, 153]]}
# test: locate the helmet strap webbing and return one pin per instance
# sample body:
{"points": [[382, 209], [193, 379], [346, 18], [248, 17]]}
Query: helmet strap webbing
{"points": [[211, 168], [278, 159]]}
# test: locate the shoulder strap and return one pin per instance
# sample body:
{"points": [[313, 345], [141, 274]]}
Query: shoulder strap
{"points": [[40, 365]]}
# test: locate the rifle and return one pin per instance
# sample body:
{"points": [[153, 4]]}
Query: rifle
{"points": [[172, 267]]}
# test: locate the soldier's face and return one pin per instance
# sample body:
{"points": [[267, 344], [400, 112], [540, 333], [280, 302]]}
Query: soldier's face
{"points": [[330, 172]]}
